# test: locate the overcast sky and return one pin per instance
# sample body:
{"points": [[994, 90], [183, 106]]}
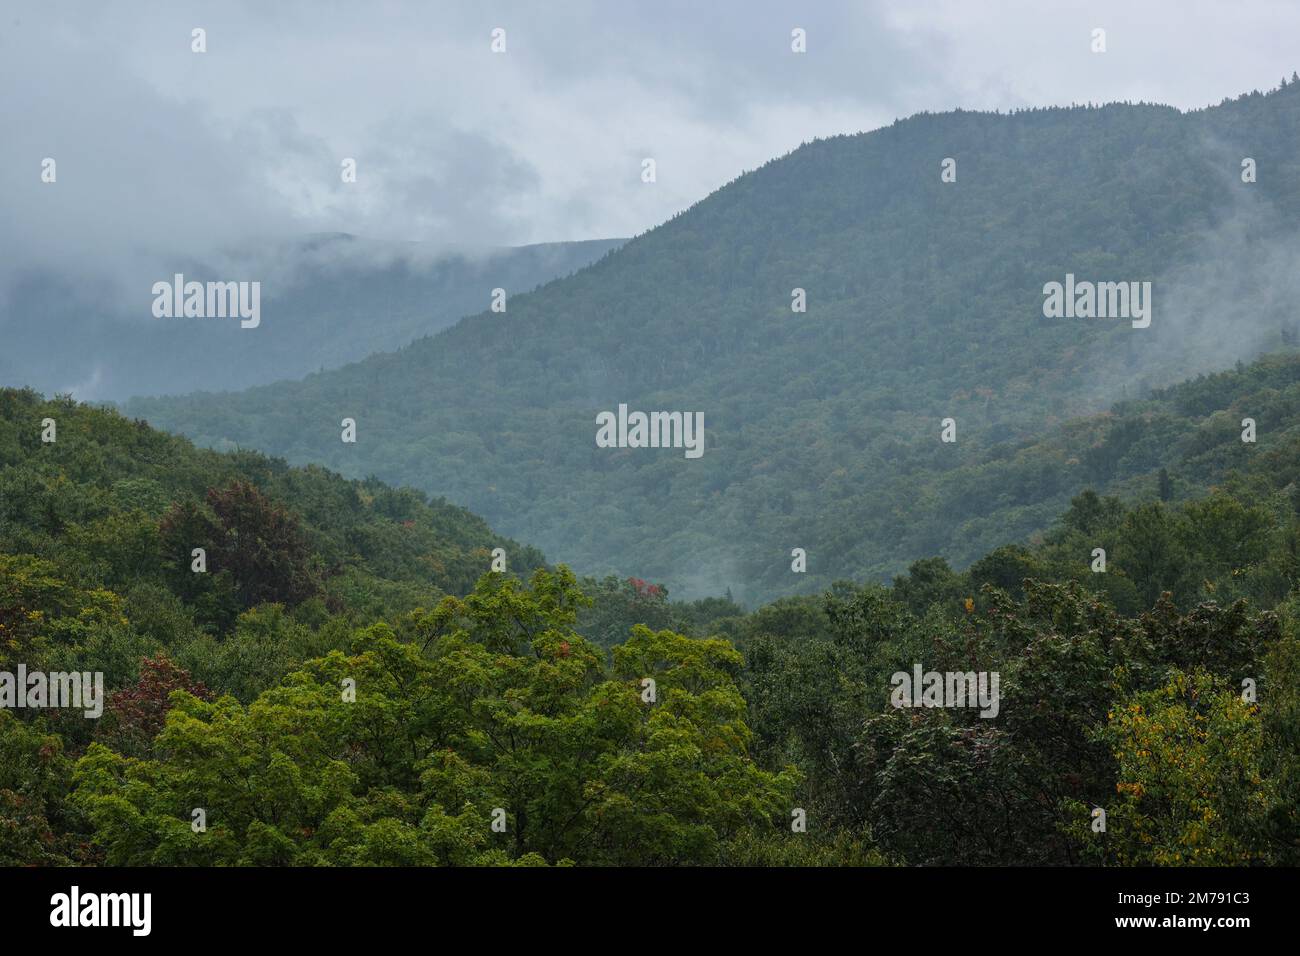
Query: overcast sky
{"points": [[161, 149]]}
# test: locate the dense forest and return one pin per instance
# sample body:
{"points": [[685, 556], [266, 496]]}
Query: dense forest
{"points": [[822, 428], [347, 682]]}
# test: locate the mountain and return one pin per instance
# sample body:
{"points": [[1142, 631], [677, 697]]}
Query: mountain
{"points": [[110, 503], [1203, 495], [325, 301], [823, 429]]}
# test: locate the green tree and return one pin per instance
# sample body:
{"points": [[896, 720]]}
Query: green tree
{"points": [[495, 709], [1192, 788]]}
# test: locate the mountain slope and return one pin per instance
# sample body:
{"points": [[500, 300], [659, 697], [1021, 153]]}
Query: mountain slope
{"points": [[822, 429], [1191, 507], [112, 503]]}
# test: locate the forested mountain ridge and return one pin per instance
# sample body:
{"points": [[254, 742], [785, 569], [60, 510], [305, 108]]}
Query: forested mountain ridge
{"points": [[1188, 507], [822, 429], [112, 503], [1181, 443]]}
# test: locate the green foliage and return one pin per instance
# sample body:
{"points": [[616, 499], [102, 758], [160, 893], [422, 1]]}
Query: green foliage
{"points": [[37, 825], [502, 705], [113, 503], [1191, 787], [947, 786], [529, 704]]}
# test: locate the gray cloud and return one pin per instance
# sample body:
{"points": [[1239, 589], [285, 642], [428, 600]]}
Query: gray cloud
{"points": [[164, 152]]}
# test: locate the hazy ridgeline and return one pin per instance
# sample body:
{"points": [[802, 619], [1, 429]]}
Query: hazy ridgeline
{"points": [[335, 298]]}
